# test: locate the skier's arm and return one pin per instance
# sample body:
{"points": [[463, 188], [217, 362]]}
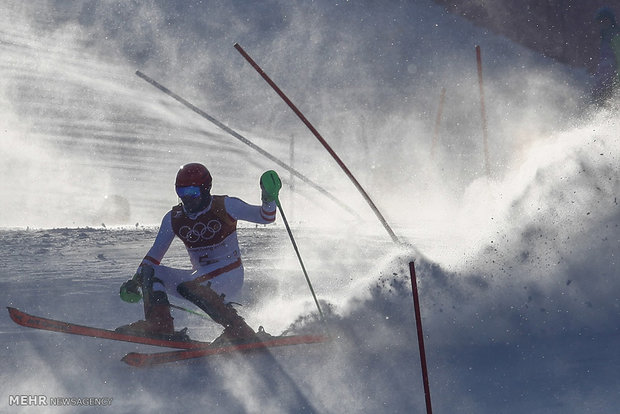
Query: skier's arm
{"points": [[240, 210], [270, 185], [129, 290], [162, 242]]}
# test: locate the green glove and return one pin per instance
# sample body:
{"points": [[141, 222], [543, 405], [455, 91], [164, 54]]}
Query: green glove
{"points": [[129, 291], [270, 185]]}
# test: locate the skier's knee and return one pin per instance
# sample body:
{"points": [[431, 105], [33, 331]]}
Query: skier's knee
{"points": [[184, 290], [160, 298]]}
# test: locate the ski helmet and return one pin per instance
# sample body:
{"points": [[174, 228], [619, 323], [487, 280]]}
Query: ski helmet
{"points": [[194, 174]]}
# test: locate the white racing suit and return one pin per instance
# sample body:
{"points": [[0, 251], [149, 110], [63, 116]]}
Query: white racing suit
{"points": [[210, 237]]}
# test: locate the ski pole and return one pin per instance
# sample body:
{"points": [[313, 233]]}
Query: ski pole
{"points": [[303, 268], [321, 140], [134, 297], [271, 184], [202, 315]]}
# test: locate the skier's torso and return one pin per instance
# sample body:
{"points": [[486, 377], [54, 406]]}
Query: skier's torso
{"points": [[210, 237]]}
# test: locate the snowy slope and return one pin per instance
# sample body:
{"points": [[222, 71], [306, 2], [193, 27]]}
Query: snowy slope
{"points": [[517, 272]]}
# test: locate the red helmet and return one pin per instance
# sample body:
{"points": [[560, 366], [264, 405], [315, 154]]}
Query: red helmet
{"points": [[194, 174]]}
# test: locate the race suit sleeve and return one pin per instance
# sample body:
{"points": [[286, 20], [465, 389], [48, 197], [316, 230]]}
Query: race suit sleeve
{"points": [[162, 241], [240, 210]]}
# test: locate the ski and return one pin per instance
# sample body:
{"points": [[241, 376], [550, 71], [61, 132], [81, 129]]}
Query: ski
{"points": [[138, 359], [37, 322]]}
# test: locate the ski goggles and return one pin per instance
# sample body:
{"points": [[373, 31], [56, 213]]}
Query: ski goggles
{"points": [[192, 191]]}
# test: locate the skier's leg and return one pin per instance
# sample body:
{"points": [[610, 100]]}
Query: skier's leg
{"points": [[156, 305], [229, 284], [158, 320], [214, 305]]}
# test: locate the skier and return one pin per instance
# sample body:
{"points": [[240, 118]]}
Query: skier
{"points": [[206, 224], [607, 76]]}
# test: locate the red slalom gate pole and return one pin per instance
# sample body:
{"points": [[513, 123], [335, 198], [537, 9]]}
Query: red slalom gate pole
{"points": [[418, 322], [321, 140], [483, 111]]}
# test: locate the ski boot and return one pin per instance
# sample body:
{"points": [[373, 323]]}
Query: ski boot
{"points": [[158, 322]]}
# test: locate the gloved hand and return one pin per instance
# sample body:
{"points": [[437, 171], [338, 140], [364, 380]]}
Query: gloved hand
{"points": [[130, 291], [270, 185]]}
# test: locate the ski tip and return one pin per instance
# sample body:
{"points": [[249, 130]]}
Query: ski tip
{"points": [[14, 313], [134, 359]]}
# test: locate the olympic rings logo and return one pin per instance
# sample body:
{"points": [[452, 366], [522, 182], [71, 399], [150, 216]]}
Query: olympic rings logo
{"points": [[200, 231]]}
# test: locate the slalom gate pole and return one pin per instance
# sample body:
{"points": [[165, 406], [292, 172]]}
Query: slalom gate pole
{"points": [[245, 141], [483, 112], [442, 98], [303, 268], [321, 140], [418, 322]]}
